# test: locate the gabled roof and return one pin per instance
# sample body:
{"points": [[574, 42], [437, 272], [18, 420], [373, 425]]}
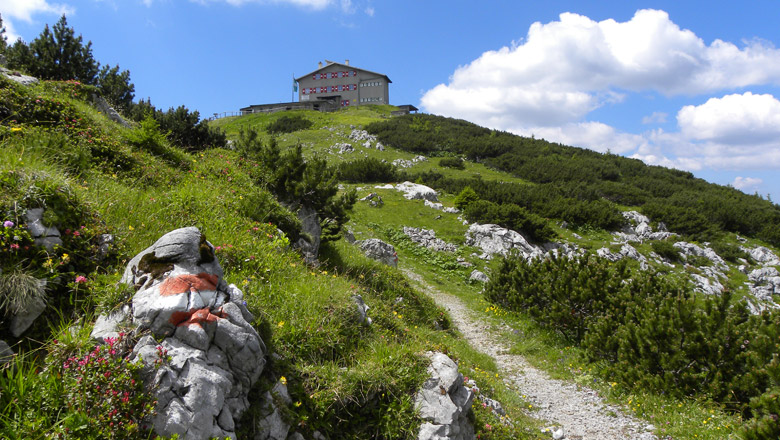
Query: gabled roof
{"points": [[348, 67]]}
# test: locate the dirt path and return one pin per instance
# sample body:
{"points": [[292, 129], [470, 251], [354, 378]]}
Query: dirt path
{"points": [[578, 409]]}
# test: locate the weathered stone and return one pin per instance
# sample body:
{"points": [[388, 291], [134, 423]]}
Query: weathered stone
{"points": [[377, 249], [272, 425], [690, 249], [443, 402], [762, 255], [494, 239], [107, 326], [362, 309], [427, 238], [47, 237], [707, 285], [764, 283], [414, 191], [104, 107], [214, 355], [21, 321], [478, 276], [18, 77]]}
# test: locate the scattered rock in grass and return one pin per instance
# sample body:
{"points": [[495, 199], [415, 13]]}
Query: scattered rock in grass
{"points": [[362, 309], [272, 424], [478, 276], [415, 191], [377, 249], [46, 236], [309, 243], [6, 353], [689, 249], [762, 256], [764, 282], [427, 238]]}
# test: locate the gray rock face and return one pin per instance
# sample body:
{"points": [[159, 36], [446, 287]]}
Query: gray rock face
{"points": [[310, 223], [215, 356], [444, 402], [272, 425], [707, 285], [765, 282], [689, 249], [107, 326], [362, 309], [403, 163], [427, 238], [18, 77], [377, 249], [494, 239], [762, 256], [21, 321], [45, 236], [478, 276], [414, 191], [104, 107]]}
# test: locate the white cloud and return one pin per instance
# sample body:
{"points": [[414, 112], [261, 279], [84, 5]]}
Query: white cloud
{"points": [[746, 183], [655, 118], [593, 135], [565, 69], [370, 11], [24, 10], [733, 119]]}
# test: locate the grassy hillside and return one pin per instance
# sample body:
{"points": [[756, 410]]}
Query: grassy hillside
{"points": [[94, 177]]}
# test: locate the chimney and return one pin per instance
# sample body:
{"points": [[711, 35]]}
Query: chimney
{"points": [[319, 65], [346, 62]]}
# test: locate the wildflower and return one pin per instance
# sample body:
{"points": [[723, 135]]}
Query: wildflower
{"points": [[283, 380], [16, 129], [130, 227], [14, 246], [281, 324], [8, 224], [65, 258], [81, 279]]}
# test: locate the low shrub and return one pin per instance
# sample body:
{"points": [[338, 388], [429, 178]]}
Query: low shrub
{"points": [[452, 162], [512, 217], [367, 170], [648, 332], [289, 124], [666, 250]]}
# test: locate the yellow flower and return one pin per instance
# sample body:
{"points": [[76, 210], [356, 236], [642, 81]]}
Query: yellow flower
{"points": [[16, 129], [297, 404], [281, 324], [283, 380], [130, 227], [65, 258]]}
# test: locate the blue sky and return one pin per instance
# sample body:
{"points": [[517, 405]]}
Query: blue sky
{"points": [[694, 85]]}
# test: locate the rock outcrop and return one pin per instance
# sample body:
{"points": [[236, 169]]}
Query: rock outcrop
{"points": [[46, 236], [494, 239], [415, 191], [478, 276], [690, 249], [764, 283], [377, 249], [309, 245], [444, 402], [762, 256], [211, 356], [427, 238]]}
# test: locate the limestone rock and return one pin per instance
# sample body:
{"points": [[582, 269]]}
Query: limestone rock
{"points": [[762, 255], [444, 403], [494, 239], [104, 107], [215, 354], [478, 276], [427, 238], [765, 282], [377, 249], [107, 326], [272, 425], [689, 249], [21, 321], [362, 309], [414, 191], [18, 77], [48, 237], [707, 285]]}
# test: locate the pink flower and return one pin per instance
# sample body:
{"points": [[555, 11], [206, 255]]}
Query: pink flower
{"points": [[14, 247], [81, 279], [8, 224]]}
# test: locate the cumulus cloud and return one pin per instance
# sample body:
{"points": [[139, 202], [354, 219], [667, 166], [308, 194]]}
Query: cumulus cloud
{"points": [[565, 69], [733, 119], [746, 183], [594, 135], [13, 10]]}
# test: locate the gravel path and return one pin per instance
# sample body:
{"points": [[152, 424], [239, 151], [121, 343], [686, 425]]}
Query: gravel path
{"points": [[577, 409]]}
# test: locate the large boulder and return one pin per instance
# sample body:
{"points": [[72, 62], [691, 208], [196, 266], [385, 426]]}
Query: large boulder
{"points": [[414, 191], [764, 283], [690, 249], [212, 355], [762, 256], [494, 239], [444, 403], [377, 249]]}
